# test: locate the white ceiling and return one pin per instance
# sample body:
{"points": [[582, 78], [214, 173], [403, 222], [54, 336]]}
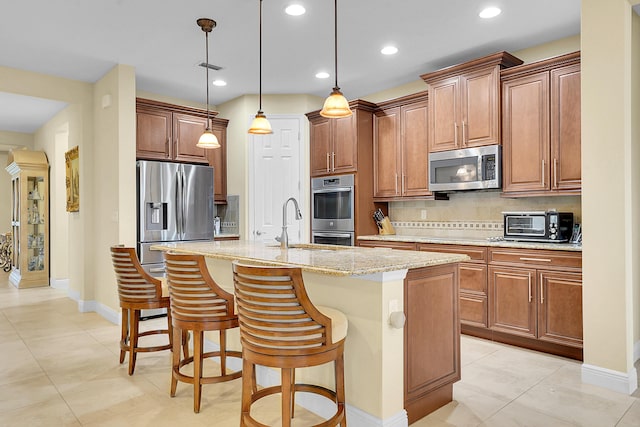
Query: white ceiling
{"points": [[83, 40]]}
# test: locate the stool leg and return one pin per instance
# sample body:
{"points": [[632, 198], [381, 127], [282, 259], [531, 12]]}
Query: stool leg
{"points": [[185, 344], [223, 352], [340, 396], [197, 370], [293, 392], [248, 385], [286, 396], [170, 328], [175, 359], [124, 332], [134, 320]]}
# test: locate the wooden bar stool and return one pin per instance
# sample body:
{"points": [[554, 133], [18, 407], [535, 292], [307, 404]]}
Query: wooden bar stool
{"points": [[281, 328], [137, 290], [198, 304]]}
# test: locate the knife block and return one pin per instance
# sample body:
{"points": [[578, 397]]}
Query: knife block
{"points": [[387, 228]]}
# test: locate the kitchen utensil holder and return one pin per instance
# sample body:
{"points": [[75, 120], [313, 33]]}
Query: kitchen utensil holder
{"points": [[387, 228]]}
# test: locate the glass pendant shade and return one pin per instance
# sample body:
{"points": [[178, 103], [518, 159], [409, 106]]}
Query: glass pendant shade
{"points": [[208, 140], [260, 125], [336, 106]]}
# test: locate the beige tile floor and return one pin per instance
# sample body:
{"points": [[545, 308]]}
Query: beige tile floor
{"points": [[60, 368]]}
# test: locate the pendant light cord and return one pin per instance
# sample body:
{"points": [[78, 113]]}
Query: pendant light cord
{"points": [[206, 35], [260, 66], [335, 40]]}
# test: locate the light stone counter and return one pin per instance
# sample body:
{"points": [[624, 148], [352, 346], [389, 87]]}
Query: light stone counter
{"points": [[324, 259], [474, 242], [366, 284]]}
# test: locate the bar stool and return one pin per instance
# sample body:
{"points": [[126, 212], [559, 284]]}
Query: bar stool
{"points": [[281, 328], [137, 290], [198, 304]]}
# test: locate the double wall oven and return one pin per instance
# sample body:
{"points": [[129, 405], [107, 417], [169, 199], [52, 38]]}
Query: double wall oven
{"points": [[332, 201]]}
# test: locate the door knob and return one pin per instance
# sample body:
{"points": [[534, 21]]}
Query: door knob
{"points": [[258, 233]]}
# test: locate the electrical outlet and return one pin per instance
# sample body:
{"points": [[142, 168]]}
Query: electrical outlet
{"points": [[423, 214]]}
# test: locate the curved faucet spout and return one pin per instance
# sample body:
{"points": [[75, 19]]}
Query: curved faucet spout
{"points": [[284, 237]]}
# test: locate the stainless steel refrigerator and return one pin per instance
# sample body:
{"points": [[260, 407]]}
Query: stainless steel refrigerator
{"points": [[175, 204]]}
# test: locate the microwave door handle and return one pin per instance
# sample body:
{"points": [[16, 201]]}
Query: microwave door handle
{"points": [[334, 190]]}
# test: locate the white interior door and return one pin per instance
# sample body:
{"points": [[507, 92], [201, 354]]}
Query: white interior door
{"points": [[275, 175]]}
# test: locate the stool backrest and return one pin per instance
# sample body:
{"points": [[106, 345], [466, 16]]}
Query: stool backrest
{"points": [[276, 316], [194, 295], [134, 284]]}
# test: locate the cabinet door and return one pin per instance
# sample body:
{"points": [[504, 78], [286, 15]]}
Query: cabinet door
{"points": [[565, 128], [444, 111], [217, 158], [153, 134], [480, 108], [186, 133], [386, 153], [415, 150], [344, 157], [319, 146], [526, 133], [512, 293], [560, 308]]}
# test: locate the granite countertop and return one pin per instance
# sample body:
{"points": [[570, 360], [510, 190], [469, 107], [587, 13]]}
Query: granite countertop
{"points": [[475, 242], [324, 259]]}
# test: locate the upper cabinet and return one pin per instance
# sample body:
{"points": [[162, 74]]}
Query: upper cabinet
{"points": [[464, 103], [400, 148], [170, 132], [541, 127], [335, 143]]}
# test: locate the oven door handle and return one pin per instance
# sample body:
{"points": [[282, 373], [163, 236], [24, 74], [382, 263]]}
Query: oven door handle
{"points": [[332, 234], [334, 190]]}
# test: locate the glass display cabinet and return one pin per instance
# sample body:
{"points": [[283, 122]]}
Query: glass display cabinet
{"points": [[29, 218]]}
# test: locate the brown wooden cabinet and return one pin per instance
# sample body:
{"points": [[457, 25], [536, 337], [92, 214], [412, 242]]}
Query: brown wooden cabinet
{"points": [[537, 294], [400, 163], [431, 339], [337, 144], [464, 100], [541, 127], [170, 132], [407, 246], [473, 281]]}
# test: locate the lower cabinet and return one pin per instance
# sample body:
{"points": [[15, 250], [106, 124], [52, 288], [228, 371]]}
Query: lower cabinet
{"points": [[473, 281], [525, 297], [431, 339]]}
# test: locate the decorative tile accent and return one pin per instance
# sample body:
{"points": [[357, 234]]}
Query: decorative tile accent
{"points": [[451, 225]]}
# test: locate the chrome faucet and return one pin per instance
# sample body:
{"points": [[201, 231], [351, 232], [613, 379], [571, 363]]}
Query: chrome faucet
{"points": [[284, 237]]}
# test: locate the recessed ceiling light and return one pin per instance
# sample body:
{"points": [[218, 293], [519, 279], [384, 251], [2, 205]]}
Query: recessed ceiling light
{"points": [[295, 10], [322, 75], [489, 12], [219, 83], [389, 50]]}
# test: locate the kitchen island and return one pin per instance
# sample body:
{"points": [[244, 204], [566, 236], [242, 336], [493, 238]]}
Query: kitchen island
{"points": [[393, 375]]}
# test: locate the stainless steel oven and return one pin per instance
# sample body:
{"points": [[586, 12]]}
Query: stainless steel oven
{"points": [[333, 238], [332, 202]]}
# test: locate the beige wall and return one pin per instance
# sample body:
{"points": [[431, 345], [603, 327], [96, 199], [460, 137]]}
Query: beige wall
{"points": [[635, 171], [609, 156]]}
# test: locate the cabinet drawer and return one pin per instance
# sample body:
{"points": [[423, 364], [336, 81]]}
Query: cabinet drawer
{"points": [[537, 258], [473, 310], [407, 246], [476, 253]]}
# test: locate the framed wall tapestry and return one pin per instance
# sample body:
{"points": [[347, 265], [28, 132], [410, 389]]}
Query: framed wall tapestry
{"points": [[73, 179]]}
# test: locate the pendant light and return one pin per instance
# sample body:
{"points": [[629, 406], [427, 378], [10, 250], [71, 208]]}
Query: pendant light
{"points": [[336, 105], [208, 139], [260, 125]]}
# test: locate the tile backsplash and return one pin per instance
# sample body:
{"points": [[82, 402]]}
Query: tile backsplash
{"points": [[471, 214], [229, 215]]}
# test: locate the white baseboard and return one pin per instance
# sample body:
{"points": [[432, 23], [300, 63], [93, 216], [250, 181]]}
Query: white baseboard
{"points": [[108, 313], [59, 283], [317, 404], [610, 379], [636, 351]]}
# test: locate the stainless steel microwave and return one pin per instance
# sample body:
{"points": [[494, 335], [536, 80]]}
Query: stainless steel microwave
{"points": [[477, 168], [538, 226]]}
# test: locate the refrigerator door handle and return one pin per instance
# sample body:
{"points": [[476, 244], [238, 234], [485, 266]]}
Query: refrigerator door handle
{"points": [[183, 202], [178, 204]]}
